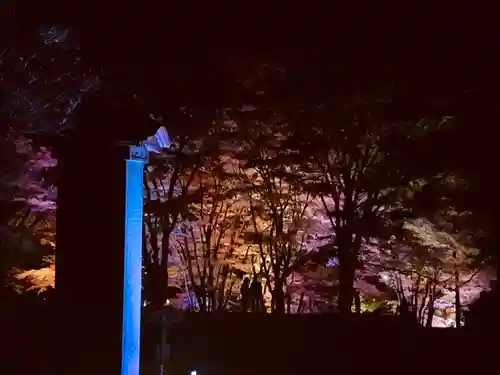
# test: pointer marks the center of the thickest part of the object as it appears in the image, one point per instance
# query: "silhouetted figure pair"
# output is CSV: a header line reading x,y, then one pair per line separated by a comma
x,y
251,296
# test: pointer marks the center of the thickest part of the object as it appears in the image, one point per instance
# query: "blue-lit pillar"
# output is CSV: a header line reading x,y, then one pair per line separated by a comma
x,y
132,269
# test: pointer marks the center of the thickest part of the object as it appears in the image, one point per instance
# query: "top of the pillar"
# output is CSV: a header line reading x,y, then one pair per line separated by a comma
x,y
154,143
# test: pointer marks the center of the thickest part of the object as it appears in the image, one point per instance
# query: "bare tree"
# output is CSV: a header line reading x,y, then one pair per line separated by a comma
x,y
277,207
427,268
356,160
211,243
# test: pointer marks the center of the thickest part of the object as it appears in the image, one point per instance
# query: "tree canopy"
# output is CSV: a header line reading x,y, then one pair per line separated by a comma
x,y
321,174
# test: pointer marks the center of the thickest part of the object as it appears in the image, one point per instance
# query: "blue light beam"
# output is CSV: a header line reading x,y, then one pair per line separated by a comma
x,y
134,206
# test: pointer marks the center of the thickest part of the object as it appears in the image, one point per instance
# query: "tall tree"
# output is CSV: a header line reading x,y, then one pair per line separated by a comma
x,y
42,81
277,207
43,85
428,268
360,157
27,225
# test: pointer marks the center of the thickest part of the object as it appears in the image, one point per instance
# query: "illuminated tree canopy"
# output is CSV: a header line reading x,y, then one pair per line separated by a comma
x,y
325,199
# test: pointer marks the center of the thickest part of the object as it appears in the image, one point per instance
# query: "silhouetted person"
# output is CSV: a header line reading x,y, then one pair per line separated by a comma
x,y
257,298
246,296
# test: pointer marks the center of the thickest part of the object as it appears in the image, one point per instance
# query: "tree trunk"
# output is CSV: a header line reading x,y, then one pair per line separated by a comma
x,y
279,298
163,274
357,302
160,297
431,309
155,284
458,305
301,303
346,281
498,270
430,314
